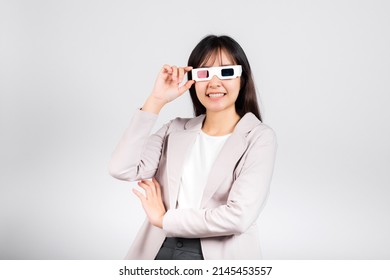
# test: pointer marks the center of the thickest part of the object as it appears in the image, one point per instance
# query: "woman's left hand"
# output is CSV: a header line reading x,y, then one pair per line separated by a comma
x,y
152,201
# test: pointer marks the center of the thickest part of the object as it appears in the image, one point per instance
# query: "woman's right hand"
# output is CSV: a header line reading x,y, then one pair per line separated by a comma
x,y
167,87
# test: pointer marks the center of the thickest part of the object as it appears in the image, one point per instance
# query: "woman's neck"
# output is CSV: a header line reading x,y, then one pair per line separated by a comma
x,y
220,123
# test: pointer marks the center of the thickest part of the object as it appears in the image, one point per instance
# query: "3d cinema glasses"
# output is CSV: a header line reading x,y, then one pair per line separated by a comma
x,y
222,72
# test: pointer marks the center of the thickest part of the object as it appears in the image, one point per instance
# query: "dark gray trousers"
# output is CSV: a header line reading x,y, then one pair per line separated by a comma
x,y
175,248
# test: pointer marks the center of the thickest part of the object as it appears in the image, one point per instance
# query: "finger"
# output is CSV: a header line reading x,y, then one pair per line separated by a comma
x,y
181,74
167,68
186,86
151,186
154,180
188,68
139,195
148,190
158,187
174,73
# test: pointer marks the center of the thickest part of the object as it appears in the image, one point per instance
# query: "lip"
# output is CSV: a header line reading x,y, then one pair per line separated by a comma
x,y
207,94
215,99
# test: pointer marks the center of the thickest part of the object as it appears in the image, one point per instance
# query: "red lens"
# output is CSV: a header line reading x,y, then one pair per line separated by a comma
x,y
203,74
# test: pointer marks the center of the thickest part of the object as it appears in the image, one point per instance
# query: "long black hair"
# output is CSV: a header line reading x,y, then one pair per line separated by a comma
x,y
212,45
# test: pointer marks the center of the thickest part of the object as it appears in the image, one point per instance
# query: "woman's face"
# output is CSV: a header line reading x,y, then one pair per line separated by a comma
x,y
229,88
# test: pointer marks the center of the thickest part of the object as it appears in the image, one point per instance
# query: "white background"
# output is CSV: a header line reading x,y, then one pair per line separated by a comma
x,y
72,73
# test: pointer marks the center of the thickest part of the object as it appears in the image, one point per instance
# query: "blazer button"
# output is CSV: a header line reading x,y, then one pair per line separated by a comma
x,y
179,244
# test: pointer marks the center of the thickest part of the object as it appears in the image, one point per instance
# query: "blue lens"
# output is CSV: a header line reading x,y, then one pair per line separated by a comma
x,y
227,72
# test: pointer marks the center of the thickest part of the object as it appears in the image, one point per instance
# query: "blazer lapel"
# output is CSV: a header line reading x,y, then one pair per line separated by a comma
x,y
179,145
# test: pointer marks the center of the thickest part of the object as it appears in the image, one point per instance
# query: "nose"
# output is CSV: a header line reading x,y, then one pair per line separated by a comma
x,y
214,82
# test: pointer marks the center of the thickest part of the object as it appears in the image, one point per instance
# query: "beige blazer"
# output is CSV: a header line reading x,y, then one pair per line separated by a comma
x,y
234,195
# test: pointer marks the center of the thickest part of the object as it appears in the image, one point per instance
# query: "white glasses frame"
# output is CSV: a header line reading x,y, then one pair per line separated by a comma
x,y
217,71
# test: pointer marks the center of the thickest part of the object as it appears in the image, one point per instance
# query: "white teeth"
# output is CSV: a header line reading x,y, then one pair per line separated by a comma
x,y
216,94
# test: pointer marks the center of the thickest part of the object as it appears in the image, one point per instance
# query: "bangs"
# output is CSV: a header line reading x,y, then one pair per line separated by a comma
x,y
210,56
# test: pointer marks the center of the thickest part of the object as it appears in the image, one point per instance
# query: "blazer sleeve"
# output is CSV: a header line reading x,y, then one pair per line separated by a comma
x,y
245,201
138,153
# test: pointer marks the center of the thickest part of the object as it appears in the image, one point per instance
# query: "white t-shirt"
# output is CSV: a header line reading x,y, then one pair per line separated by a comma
x,y
197,167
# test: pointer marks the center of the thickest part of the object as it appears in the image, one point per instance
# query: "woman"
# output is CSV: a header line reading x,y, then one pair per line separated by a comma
x,y
211,173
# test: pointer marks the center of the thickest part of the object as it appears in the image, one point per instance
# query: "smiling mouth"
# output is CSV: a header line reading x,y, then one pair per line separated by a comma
x,y
215,95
